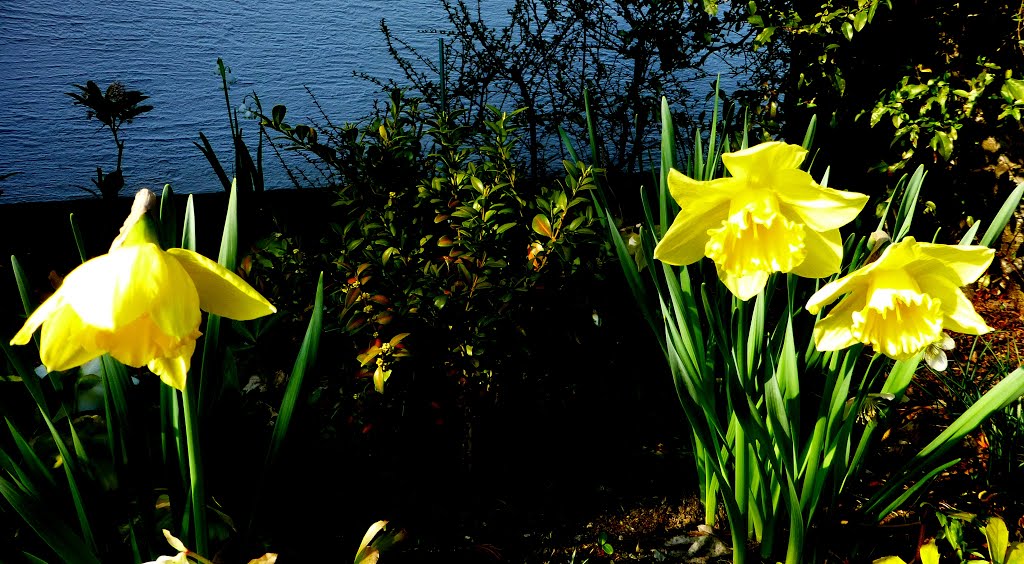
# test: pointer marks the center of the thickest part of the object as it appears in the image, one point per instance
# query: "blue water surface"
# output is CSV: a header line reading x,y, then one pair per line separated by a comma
x,y
168,49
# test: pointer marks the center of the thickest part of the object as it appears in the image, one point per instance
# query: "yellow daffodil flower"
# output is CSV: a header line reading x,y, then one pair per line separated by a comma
x,y
769,216
138,303
901,303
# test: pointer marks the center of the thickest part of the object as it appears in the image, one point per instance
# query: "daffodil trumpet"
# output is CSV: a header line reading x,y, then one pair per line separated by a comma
x,y
139,303
768,216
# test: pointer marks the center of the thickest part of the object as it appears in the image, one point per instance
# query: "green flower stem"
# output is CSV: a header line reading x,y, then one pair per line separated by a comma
x,y
195,470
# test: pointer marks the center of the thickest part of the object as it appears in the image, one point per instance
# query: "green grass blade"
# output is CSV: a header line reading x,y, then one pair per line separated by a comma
x,y
26,302
995,229
213,353
57,535
228,257
905,215
115,404
188,232
168,218
968,238
69,473
22,480
211,156
32,471
709,168
913,489
79,240
697,167
591,128
1002,394
305,361
668,153
812,126
197,486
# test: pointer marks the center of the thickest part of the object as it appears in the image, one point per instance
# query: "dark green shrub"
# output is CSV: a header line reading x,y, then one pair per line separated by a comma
x,y
443,260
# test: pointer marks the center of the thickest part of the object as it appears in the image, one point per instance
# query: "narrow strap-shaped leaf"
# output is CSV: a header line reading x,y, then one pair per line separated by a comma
x,y
905,215
228,257
197,476
668,153
76,233
32,471
591,127
115,403
879,514
26,302
188,231
207,149
812,126
968,238
52,530
1007,390
995,229
168,218
213,352
713,153
305,361
69,473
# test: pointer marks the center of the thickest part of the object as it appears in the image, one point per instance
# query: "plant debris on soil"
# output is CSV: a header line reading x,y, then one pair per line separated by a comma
x,y
638,503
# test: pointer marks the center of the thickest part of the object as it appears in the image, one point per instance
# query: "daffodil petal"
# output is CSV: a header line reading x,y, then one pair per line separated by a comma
x,y
770,156
824,254
834,331
685,239
894,256
41,314
66,342
221,291
174,304
173,371
115,289
137,343
91,288
828,293
959,312
820,208
969,262
699,196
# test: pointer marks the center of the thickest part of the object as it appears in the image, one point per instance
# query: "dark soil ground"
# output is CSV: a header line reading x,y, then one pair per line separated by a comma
x,y
635,502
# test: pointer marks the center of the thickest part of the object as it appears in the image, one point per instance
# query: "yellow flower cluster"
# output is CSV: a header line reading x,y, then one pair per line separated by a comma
x,y
769,216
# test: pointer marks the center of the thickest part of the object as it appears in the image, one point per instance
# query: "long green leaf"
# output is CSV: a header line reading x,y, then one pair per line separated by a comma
x,y
995,229
1002,394
31,471
168,218
668,154
304,363
905,215
69,473
76,233
211,156
188,232
228,257
26,302
115,404
52,530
